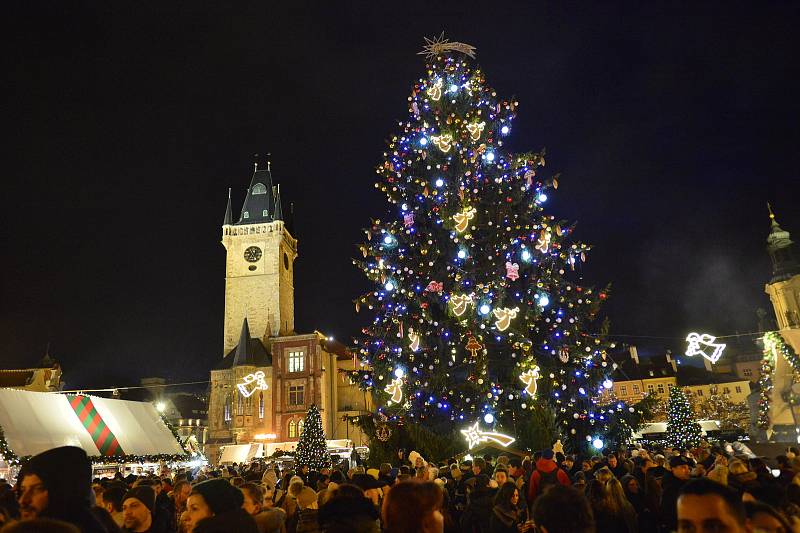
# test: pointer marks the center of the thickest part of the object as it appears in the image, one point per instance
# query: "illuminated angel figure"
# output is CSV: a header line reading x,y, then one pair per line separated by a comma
x,y
435,90
462,219
529,378
504,316
460,303
543,242
251,383
475,129
414,338
704,345
443,142
395,388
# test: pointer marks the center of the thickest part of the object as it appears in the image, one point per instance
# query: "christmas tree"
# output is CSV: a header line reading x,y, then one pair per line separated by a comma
x,y
480,316
312,450
682,430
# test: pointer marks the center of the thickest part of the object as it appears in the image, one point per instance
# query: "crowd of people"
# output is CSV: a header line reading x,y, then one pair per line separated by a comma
x,y
638,489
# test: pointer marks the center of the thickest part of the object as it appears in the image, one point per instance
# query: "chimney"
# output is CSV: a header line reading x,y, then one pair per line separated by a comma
x,y
672,362
634,354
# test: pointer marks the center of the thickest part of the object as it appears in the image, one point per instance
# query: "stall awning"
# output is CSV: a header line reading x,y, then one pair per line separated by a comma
x,y
35,421
241,453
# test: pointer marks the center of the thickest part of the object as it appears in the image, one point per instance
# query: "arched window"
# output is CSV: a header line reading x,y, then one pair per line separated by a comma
x,y
292,429
300,424
260,405
259,188
239,406
227,409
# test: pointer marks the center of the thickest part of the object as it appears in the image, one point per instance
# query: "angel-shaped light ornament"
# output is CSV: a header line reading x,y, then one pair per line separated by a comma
x,y
512,271
529,378
460,303
704,345
475,130
543,242
504,315
413,336
443,142
435,90
462,219
251,383
408,219
395,388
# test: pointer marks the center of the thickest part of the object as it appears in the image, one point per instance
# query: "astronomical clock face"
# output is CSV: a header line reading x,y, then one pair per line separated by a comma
x,y
252,254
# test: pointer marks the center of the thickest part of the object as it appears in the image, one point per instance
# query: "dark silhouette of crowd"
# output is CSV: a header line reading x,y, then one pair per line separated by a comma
x,y
717,488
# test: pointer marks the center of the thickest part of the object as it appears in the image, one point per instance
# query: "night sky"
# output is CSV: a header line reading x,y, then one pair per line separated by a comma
x,y
672,128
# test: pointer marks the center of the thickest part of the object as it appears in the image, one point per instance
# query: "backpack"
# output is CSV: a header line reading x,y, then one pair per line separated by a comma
x,y
547,480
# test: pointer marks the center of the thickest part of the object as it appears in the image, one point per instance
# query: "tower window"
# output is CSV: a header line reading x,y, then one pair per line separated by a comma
x,y
296,395
297,361
265,213
660,388
258,188
747,372
246,214
260,405
292,429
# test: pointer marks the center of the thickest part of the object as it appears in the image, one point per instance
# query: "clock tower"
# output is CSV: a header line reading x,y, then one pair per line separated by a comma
x,y
259,265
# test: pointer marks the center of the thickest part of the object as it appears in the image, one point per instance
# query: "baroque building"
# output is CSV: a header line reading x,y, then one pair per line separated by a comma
x,y
269,375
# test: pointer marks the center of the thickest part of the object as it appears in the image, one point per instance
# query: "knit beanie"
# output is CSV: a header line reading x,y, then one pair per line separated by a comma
x,y
220,496
144,494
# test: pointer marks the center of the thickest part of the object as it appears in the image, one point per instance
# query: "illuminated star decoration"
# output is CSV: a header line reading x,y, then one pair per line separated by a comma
x,y
695,341
440,44
414,338
460,303
251,383
475,436
462,219
395,388
512,271
543,242
529,378
408,220
475,129
504,316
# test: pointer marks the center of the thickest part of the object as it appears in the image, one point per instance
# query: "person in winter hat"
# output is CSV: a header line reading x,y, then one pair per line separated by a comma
x,y
57,484
137,509
216,506
307,501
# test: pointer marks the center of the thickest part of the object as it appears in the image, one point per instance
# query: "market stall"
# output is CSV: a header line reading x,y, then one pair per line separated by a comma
x,y
112,432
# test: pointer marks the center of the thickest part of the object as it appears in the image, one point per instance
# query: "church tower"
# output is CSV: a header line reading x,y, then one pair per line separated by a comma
x,y
259,265
784,292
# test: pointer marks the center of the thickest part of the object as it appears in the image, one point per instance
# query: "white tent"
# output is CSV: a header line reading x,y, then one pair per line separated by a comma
x,y
661,427
36,421
241,453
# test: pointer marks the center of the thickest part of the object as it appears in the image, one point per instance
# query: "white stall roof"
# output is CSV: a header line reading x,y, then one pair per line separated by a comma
x,y
36,421
241,453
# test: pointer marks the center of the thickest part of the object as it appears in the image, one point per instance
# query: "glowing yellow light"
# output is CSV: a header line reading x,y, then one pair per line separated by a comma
x,y
265,436
462,219
475,436
395,388
475,130
435,90
529,378
414,338
504,316
460,303
443,142
543,242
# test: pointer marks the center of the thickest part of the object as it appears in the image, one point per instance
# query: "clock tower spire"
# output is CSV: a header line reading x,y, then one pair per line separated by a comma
x,y
259,266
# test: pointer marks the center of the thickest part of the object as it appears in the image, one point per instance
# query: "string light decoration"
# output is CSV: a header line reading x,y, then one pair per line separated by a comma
x,y
682,429
475,435
251,383
774,345
395,388
529,378
312,450
498,304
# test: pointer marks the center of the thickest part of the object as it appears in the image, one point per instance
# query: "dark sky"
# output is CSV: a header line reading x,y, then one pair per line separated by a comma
x,y
672,127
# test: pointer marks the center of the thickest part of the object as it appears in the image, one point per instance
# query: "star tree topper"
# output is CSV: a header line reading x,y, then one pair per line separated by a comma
x,y
437,45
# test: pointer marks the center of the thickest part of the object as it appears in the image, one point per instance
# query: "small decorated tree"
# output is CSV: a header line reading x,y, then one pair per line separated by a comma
x,y
682,430
312,450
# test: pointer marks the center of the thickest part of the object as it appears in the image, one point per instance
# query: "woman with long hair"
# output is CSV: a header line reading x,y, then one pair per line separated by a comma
x,y
620,507
507,517
413,506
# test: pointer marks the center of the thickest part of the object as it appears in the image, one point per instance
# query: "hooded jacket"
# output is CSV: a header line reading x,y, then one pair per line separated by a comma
x,y
67,474
546,466
351,514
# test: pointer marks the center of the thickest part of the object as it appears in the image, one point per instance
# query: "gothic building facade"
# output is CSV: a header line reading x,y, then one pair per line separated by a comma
x,y
269,375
